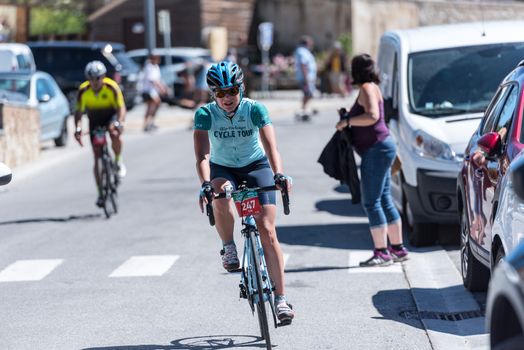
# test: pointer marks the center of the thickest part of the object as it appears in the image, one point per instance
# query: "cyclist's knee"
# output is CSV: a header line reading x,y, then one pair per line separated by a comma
x,y
222,206
267,231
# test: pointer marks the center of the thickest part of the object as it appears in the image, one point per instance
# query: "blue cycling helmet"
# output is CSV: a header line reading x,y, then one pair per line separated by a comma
x,y
224,75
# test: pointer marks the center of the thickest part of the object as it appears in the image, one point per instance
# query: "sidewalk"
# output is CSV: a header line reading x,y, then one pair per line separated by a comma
x,y
280,104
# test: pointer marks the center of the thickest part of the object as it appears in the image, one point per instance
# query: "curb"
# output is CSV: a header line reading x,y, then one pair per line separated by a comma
x,y
438,292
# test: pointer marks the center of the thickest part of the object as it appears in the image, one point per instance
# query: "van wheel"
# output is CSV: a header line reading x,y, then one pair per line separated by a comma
x,y
475,275
419,234
61,140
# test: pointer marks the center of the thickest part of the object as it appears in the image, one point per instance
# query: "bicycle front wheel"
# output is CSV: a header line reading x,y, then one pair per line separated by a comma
x,y
110,206
112,180
260,305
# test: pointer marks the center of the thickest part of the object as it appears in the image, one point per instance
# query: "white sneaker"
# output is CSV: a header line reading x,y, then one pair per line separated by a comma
x,y
121,170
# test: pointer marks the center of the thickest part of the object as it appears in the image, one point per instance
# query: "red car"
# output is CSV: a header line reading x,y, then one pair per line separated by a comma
x,y
498,139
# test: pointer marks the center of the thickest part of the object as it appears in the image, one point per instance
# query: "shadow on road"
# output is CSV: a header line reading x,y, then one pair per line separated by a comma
x,y
341,207
210,342
386,302
65,219
341,236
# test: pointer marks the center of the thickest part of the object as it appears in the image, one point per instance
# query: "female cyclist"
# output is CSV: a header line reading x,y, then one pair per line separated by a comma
x,y
234,141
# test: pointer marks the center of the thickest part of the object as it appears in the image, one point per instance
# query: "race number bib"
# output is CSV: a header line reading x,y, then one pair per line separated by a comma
x,y
247,204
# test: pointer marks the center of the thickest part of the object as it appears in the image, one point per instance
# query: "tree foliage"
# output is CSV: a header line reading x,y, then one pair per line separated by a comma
x,y
54,4
49,21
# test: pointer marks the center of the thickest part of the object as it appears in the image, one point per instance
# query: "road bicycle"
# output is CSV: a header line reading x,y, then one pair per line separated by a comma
x,y
107,173
255,284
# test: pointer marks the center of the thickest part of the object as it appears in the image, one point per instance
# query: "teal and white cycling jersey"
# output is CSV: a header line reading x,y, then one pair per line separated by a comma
x,y
234,141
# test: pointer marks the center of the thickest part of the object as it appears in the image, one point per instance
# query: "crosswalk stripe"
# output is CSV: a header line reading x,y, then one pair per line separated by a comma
x,y
29,270
356,256
145,265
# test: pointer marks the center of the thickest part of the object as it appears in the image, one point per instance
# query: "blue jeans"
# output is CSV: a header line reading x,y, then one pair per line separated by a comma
x,y
375,174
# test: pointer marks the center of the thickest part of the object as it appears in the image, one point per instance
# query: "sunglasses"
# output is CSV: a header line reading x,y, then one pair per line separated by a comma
x,y
231,92
95,79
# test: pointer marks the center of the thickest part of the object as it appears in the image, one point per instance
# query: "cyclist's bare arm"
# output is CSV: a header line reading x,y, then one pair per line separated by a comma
x,y
121,114
202,148
269,142
78,126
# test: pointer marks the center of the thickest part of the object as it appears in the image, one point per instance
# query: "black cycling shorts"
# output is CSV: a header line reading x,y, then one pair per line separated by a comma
x,y
256,174
96,122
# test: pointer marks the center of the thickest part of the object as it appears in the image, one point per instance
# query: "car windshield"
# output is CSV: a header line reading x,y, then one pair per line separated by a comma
x,y
459,80
14,89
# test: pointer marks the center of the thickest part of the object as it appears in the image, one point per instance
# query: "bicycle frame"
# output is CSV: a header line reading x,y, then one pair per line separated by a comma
x,y
106,173
248,281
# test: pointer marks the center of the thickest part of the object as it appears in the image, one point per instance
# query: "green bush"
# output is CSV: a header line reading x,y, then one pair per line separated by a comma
x,y
49,21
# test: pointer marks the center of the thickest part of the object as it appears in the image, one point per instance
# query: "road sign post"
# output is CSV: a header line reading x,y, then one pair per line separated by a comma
x,y
265,40
164,27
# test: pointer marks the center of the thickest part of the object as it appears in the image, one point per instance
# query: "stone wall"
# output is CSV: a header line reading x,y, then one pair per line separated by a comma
x,y
370,18
323,20
20,135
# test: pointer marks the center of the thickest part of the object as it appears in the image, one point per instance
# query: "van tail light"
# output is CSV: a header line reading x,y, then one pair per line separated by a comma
x,y
118,77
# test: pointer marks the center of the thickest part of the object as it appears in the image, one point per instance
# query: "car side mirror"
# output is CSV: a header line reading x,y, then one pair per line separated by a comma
x,y
389,111
5,174
517,176
44,98
489,143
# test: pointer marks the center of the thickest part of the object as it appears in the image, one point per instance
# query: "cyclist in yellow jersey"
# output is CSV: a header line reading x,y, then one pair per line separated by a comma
x,y
102,100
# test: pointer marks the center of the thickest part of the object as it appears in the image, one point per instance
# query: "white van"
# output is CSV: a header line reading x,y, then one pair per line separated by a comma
x,y
437,82
16,57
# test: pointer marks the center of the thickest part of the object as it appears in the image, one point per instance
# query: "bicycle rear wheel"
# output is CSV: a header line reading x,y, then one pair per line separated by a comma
x,y
260,305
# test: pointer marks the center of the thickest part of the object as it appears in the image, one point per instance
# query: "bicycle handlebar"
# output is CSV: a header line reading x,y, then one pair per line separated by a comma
x,y
209,208
210,197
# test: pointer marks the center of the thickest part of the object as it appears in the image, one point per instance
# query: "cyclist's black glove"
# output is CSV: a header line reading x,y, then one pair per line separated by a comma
x,y
206,190
280,180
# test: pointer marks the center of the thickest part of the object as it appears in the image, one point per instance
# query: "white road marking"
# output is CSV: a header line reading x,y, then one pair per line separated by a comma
x,y
356,256
146,265
29,270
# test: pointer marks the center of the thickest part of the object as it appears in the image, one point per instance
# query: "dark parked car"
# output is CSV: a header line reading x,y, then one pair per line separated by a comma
x,y
500,138
505,304
66,61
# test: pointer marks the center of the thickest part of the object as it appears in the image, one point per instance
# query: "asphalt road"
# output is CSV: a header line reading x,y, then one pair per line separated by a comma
x,y
150,277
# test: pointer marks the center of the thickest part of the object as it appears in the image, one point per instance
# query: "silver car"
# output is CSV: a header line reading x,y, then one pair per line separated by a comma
x,y
505,304
39,90
508,225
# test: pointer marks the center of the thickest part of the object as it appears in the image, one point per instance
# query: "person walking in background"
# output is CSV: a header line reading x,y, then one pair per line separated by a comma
x,y
336,68
306,71
371,140
152,90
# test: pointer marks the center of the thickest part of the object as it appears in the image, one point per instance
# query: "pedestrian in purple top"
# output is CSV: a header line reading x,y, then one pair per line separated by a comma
x,y
371,140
